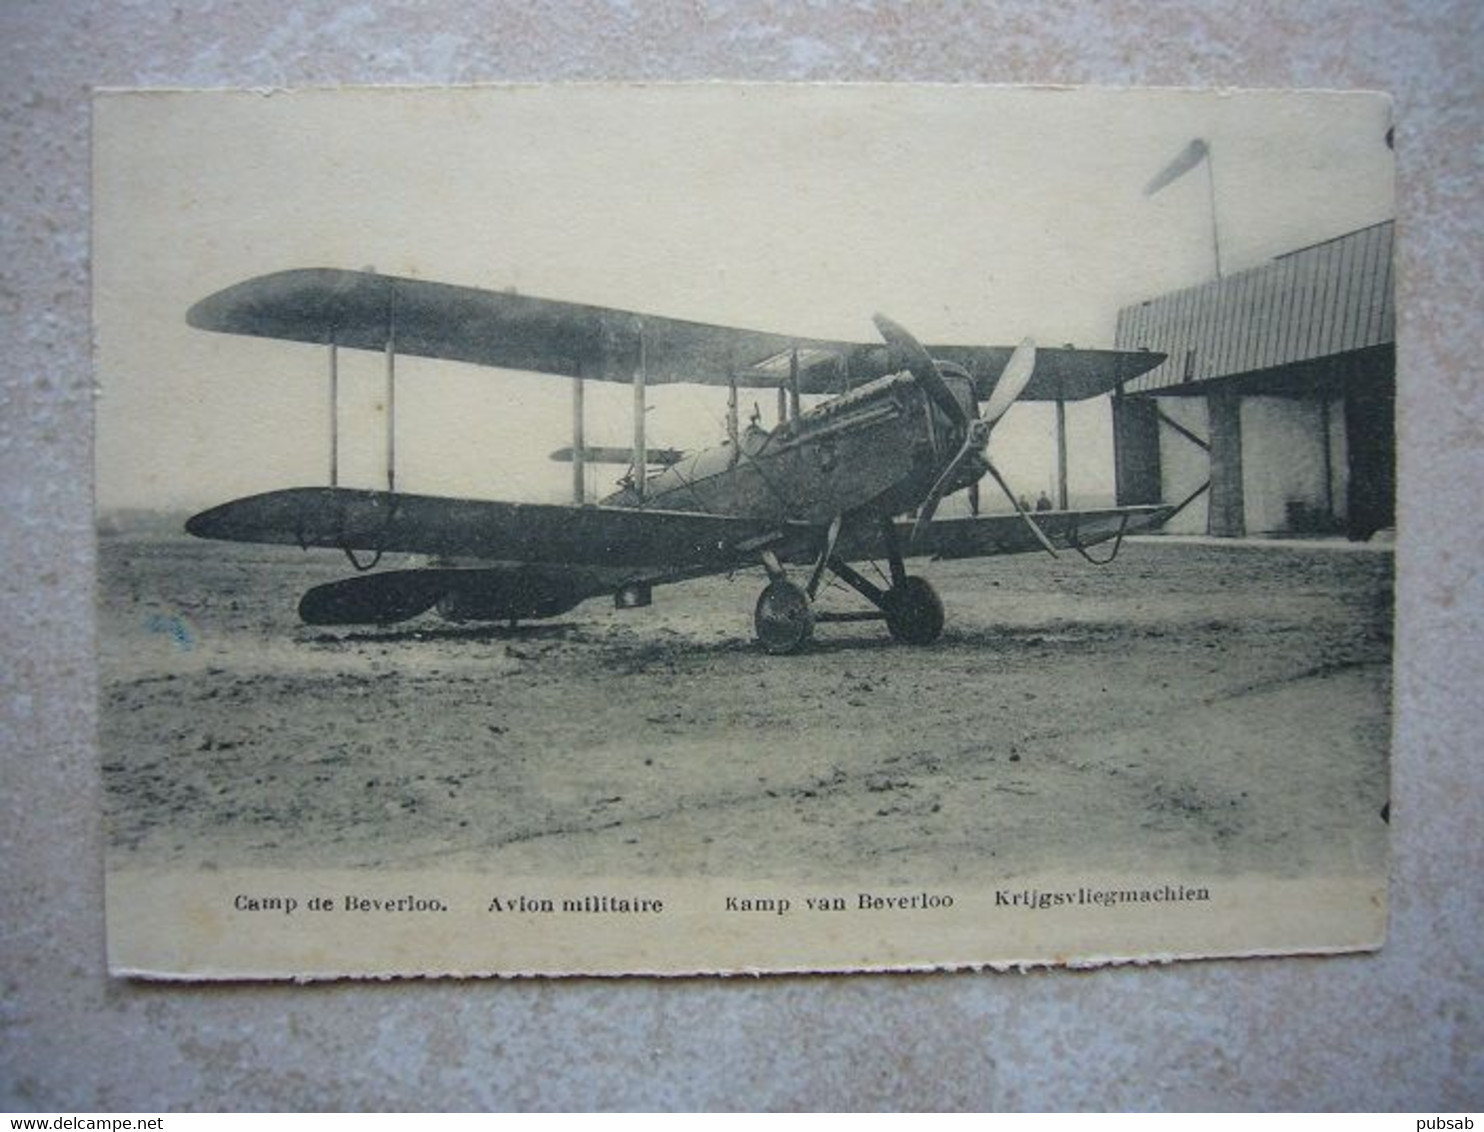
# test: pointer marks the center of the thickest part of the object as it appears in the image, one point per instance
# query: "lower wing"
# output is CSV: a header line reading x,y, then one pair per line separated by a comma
x,y
619,538
987,535
546,558
559,534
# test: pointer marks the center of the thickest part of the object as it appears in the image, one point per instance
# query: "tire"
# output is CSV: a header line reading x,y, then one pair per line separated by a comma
x,y
783,619
914,612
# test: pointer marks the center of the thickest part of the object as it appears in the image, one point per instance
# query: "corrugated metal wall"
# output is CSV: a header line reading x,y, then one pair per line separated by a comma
x,y
1326,299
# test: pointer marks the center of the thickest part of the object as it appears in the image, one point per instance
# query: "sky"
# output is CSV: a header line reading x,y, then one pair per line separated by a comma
x,y
969,214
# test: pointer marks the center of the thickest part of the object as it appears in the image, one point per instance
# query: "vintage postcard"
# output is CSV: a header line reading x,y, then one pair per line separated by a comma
x,y
644,529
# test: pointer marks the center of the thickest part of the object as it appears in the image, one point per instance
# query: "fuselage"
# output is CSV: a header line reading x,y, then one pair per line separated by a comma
x,y
874,450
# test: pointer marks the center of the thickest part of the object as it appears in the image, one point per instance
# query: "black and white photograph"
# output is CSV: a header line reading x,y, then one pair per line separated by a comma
x,y
717,528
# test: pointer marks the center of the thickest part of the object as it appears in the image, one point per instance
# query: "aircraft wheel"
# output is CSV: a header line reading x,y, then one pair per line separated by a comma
x,y
783,619
914,612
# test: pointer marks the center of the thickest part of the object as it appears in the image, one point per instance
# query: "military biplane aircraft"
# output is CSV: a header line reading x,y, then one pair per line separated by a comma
x,y
904,426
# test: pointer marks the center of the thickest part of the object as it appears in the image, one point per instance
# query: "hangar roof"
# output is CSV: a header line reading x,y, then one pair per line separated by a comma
x,y
1311,303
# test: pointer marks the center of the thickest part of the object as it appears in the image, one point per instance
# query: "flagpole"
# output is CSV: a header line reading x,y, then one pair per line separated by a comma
x,y
1215,229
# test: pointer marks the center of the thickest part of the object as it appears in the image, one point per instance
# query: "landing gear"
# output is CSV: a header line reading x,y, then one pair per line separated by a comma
x,y
784,619
785,614
914,612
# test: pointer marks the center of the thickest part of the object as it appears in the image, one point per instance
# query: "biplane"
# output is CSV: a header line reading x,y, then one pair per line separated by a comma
x,y
857,477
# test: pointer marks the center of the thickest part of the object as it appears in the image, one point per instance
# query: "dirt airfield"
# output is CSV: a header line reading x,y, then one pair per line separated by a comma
x,y
1219,709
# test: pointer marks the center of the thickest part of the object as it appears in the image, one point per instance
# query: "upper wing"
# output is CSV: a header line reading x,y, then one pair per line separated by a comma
x,y
1061,373
348,518
493,328
496,328
988,535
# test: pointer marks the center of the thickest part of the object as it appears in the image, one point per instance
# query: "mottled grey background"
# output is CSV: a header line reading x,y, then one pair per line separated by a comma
x,y
1403,1029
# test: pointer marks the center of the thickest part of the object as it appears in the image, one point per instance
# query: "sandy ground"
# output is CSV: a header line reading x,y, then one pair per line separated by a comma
x,y
1215,708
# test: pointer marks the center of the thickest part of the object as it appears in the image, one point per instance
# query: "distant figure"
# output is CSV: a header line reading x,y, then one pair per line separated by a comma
x,y
1023,503
1043,502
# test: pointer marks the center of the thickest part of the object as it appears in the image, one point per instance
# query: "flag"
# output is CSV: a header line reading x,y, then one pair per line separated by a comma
x,y
1186,160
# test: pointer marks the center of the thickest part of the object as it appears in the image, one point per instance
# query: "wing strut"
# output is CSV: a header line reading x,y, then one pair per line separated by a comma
x,y
1061,454
334,414
391,390
793,381
732,437
641,452
579,454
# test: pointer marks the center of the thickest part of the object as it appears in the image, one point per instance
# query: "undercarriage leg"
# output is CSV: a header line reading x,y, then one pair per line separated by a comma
x,y
861,585
913,610
831,538
894,553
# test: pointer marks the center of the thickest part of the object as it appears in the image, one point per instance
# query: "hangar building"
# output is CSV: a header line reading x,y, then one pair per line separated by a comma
x,y
1274,411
